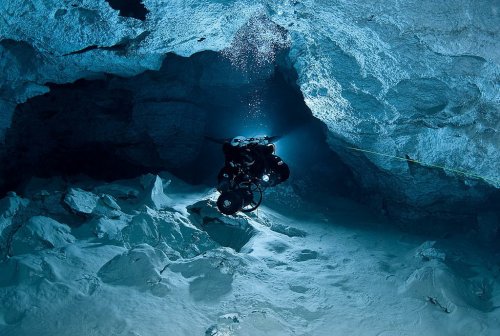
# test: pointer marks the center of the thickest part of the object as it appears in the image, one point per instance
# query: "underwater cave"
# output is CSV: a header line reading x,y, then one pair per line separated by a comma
x,y
112,127
115,121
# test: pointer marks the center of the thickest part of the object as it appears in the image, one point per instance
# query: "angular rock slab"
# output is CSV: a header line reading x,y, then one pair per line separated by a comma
x,y
80,202
140,267
153,195
40,233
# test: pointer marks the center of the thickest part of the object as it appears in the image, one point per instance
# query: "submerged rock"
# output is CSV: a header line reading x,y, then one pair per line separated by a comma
x,y
40,233
80,202
154,195
427,252
447,291
110,202
140,267
9,206
108,228
142,229
231,231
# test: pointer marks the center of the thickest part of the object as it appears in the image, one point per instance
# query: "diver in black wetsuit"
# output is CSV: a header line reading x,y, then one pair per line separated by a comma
x,y
246,159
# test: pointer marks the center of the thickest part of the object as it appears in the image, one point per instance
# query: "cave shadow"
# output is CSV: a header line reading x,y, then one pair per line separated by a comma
x,y
113,127
130,8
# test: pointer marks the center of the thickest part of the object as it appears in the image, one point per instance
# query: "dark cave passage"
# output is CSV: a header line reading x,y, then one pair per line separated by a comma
x,y
130,8
113,127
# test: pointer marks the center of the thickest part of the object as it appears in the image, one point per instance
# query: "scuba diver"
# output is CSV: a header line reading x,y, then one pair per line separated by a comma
x,y
250,167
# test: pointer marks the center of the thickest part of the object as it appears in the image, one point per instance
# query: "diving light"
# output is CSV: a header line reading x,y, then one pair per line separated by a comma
x,y
265,178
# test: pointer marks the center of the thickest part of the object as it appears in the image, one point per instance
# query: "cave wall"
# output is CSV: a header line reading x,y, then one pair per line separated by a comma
x,y
409,81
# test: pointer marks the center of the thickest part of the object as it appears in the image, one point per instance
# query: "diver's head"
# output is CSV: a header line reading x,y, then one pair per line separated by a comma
x,y
237,141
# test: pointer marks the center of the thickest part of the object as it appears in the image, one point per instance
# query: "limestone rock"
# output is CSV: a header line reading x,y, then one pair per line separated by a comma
x,y
11,204
107,228
140,267
9,207
80,201
40,233
107,207
427,252
154,195
141,229
110,202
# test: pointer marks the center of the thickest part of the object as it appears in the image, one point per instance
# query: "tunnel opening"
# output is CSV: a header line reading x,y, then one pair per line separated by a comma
x,y
113,127
130,8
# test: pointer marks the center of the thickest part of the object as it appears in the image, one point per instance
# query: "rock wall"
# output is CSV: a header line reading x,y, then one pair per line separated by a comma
x,y
413,80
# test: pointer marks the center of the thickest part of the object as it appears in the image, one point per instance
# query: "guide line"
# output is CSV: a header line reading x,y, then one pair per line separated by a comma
x,y
461,172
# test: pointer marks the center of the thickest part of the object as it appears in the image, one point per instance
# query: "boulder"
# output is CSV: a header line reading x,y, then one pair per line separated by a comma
x,y
139,267
80,202
40,233
153,195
